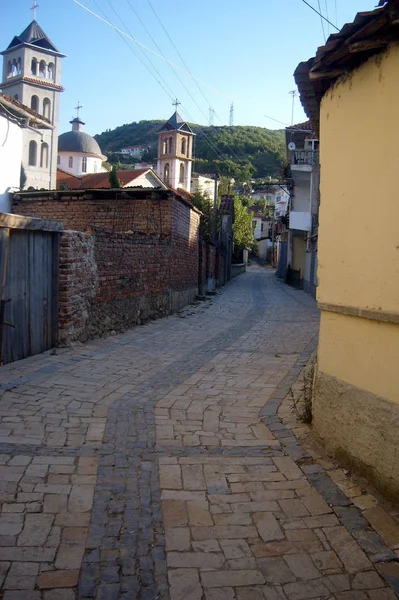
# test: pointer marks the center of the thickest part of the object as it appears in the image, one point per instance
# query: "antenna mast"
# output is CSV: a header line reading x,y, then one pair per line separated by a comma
x,y
231,120
294,94
211,115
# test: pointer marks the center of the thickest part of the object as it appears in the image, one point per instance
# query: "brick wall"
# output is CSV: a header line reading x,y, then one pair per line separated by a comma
x,y
131,260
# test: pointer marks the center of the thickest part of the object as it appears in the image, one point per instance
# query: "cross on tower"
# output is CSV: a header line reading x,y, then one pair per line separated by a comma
x,y
34,7
176,103
77,108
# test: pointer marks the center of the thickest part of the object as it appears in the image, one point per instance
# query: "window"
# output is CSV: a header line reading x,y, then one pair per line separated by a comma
x,y
42,69
254,224
70,162
170,145
261,227
50,71
181,173
166,173
32,153
16,96
44,156
19,67
46,108
14,68
33,67
183,146
9,69
58,160
84,164
165,146
34,103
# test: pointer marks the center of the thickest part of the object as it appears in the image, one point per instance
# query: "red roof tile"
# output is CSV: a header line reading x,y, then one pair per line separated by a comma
x,y
25,108
97,180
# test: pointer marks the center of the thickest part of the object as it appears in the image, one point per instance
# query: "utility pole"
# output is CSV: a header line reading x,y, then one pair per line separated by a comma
x,y
294,94
231,120
211,115
273,234
215,210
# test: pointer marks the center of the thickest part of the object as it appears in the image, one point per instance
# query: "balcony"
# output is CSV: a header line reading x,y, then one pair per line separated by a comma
x,y
304,160
301,221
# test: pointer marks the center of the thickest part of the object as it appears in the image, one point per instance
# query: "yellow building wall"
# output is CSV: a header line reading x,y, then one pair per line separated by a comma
x,y
359,211
361,352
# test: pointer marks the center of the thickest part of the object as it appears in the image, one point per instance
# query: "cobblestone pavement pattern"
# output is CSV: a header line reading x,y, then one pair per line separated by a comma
x,y
159,463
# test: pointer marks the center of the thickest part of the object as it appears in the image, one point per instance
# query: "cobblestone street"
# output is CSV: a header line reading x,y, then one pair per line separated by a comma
x,y
164,463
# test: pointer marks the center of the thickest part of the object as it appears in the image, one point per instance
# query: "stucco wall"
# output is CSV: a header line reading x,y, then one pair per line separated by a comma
x,y
356,401
10,160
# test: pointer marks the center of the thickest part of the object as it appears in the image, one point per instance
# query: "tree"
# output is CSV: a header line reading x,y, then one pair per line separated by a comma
x,y
205,205
113,178
243,232
22,178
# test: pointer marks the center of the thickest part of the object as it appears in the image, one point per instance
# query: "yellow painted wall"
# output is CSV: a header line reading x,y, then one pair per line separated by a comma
x,y
359,212
361,352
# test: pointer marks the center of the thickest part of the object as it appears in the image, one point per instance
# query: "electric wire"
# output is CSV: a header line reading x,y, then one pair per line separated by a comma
x,y
316,11
327,15
321,21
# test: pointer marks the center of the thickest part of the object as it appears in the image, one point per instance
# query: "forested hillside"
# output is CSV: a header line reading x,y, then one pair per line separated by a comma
x,y
240,151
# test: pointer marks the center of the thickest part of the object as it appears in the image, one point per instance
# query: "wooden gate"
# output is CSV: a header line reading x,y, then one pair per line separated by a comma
x,y
29,268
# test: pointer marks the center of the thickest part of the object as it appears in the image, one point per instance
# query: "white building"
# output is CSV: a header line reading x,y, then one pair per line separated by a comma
x,y
78,152
14,118
133,151
32,75
175,151
204,185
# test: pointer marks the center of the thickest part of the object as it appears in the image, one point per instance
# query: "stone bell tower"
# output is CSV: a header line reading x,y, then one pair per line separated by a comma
x,y
175,152
32,75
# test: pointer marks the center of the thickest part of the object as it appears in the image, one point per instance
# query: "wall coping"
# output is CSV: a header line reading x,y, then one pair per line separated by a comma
x,y
11,221
364,313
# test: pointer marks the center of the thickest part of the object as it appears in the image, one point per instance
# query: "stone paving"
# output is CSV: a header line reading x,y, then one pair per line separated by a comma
x,y
165,463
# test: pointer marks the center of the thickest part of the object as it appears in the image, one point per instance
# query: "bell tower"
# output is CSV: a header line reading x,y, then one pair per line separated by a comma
x,y
32,75
175,152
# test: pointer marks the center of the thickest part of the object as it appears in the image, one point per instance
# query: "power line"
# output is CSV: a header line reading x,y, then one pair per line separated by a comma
x,y
328,16
321,21
146,47
316,11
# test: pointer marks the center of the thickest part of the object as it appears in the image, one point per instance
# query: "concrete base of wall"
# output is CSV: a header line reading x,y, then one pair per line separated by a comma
x,y
238,269
309,288
360,429
180,298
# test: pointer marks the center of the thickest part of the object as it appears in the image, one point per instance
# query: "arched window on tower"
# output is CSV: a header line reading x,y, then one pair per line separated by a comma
x,y
84,164
16,96
9,69
44,156
166,173
50,71
33,67
165,146
181,173
70,162
42,69
46,108
14,68
19,66
170,145
183,146
32,153
34,103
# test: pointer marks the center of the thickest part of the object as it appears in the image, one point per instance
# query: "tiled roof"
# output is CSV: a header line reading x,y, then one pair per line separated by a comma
x,y
97,180
22,109
227,205
369,33
306,126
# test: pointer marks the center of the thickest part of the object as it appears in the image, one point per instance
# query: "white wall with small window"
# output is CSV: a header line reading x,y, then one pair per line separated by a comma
x,y
77,163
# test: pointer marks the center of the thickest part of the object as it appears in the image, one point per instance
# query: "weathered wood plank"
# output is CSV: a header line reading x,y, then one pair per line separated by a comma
x,y
30,223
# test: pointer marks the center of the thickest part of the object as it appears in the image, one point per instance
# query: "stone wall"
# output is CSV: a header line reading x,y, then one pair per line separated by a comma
x,y
133,259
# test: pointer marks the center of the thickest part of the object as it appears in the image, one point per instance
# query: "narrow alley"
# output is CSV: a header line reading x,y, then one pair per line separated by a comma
x,y
161,463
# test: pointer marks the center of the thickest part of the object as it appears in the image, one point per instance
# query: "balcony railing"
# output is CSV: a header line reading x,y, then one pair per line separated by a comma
x,y
304,157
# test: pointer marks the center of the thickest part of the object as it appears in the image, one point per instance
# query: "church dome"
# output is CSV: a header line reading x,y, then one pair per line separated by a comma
x,y
78,141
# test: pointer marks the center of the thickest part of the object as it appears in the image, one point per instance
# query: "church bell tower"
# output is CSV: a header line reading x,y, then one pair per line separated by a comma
x,y
32,75
175,152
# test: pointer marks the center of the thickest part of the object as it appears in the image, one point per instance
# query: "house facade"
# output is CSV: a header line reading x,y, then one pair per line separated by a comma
x,y
350,92
135,152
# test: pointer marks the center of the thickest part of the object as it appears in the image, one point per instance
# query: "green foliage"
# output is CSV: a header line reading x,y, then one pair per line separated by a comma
x,y
205,205
241,152
113,178
22,178
243,232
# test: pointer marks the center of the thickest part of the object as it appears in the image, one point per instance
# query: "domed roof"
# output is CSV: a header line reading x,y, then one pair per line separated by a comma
x,y
78,141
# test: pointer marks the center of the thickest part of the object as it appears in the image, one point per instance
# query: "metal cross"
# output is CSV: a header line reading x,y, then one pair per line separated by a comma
x,y
34,7
77,108
176,103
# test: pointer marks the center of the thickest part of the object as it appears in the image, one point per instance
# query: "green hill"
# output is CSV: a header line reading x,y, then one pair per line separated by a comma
x,y
239,151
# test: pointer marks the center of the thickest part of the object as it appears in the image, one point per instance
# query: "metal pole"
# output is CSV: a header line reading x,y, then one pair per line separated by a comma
x,y
215,207
273,235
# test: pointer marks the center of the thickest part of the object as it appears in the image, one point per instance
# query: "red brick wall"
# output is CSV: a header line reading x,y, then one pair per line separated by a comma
x,y
139,260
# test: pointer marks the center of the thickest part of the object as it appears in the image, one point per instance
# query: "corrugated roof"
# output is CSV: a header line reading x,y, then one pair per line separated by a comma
x,y
369,33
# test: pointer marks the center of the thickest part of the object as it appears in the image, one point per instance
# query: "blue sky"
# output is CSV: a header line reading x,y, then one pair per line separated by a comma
x,y
245,51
